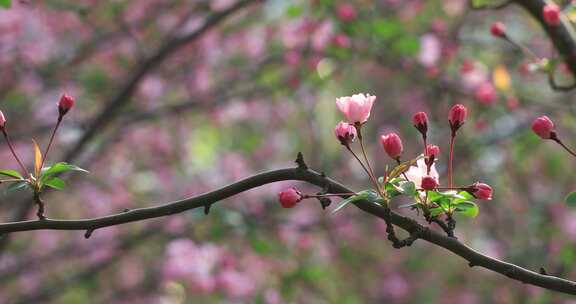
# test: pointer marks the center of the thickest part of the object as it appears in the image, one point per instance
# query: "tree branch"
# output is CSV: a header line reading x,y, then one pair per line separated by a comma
x,y
473,257
562,36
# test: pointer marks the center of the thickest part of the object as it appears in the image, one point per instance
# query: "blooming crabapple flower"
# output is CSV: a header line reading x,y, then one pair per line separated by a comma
x,y
420,121
66,103
345,133
457,116
543,127
430,50
2,120
346,12
551,14
289,197
429,183
498,29
481,191
486,94
356,108
392,145
416,173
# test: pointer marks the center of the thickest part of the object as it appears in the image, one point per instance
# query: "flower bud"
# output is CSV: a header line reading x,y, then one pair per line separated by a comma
x,y
543,127
432,151
429,183
392,145
2,120
457,117
486,94
420,121
66,103
289,197
346,12
551,14
345,132
498,29
480,191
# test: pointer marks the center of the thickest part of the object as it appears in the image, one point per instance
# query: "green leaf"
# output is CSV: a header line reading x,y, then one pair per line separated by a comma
x,y
5,3
11,173
294,11
369,195
55,183
407,45
386,28
468,209
409,189
17,186
571,199
436,211
60,168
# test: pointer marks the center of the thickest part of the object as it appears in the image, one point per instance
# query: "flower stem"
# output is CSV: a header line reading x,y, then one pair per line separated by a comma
x,y
450,172
374,181
50,142
13,151
327,195
556,139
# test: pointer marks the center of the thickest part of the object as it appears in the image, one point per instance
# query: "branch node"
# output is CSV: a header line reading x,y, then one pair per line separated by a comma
x,y
300,161
471,264
126,210
88,233
542,271
207,209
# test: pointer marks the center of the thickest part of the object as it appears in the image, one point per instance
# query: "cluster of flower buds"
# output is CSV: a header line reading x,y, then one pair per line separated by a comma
x,y
356,109
64,105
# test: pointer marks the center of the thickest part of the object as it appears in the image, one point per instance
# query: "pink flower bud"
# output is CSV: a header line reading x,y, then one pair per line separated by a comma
x,y
392,145
551,14
432,150
345,133
457,117
498,29
289,197
480,191
346,12
356,108
486,94
420,121
66,103
2,120
429,183
543,127
342,41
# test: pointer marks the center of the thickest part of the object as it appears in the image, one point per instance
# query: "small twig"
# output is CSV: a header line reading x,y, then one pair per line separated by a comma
x,y
300,161
38,201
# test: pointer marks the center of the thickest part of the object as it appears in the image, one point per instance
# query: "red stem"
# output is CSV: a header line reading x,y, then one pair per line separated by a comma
x,y
450,172
556,139
14,152
50,142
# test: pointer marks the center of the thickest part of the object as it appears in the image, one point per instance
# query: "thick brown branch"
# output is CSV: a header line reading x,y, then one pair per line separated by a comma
x,y
473,257
562,36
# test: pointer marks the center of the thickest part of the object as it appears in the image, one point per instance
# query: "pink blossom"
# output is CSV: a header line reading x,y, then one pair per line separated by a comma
x,y
346,12
65,104
486,94
416,173
2,120
430,50
457,116
429,183
481,191
342,41
498,29
236,284
356,108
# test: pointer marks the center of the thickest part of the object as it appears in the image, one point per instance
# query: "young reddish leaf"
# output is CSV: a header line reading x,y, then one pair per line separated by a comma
x,y
37,158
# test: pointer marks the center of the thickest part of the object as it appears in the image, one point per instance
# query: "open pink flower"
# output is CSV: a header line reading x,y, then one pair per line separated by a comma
x,y
356,108
416,173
